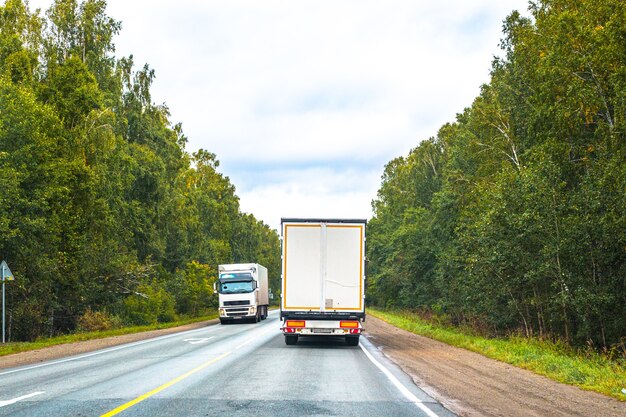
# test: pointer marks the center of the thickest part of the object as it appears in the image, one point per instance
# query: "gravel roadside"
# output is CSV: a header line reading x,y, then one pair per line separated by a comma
x,y
472,385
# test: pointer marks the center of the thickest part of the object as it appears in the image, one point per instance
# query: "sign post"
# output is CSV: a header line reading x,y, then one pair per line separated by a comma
x,y
7,275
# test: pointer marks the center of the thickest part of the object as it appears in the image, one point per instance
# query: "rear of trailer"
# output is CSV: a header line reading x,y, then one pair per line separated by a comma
x,y
323,278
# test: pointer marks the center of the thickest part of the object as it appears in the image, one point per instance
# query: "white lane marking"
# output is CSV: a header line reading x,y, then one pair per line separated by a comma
x,y
23,397
100,352
408,394
255,337
196,340
245,343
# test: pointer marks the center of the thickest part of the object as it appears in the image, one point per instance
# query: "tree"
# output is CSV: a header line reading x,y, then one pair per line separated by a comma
x,y
103,211
522,228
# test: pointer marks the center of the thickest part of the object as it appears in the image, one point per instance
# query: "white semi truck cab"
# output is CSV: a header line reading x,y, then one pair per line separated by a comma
x,y
323,278
243,292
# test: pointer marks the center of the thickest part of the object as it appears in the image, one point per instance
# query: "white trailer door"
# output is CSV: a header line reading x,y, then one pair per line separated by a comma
x,y
301,267
344,267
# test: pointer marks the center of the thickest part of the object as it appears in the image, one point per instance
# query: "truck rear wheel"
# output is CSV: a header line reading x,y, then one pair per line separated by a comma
x,y
291,339
352,340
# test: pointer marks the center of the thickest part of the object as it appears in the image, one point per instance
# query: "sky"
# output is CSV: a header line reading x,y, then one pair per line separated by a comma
x,y
304,102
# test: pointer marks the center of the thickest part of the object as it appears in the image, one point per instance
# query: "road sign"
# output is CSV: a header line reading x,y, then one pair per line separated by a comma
x,y
6,272
6,275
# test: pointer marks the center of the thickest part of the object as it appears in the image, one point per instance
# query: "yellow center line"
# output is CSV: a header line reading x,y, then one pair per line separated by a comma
x,y
162,387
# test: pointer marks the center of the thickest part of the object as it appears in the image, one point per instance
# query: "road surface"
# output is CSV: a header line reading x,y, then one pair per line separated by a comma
x,y
232,370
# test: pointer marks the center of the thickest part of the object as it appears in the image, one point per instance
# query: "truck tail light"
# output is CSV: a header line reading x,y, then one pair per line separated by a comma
x,y
349,324
293,326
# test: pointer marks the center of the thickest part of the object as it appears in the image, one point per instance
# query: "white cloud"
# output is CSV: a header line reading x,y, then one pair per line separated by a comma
x,y
313,192
311,84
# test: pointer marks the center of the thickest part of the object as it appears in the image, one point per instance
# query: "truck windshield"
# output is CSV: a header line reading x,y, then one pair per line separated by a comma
x,y
232,287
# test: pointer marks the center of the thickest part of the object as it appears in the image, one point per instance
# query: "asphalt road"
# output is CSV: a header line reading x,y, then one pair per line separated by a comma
x,y
220,370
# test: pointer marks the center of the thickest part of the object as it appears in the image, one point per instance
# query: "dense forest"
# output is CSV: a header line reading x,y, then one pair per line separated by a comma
x,y
105,219
513,218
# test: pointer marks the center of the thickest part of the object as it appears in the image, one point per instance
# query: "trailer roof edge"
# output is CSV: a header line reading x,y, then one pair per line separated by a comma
x,y
313,220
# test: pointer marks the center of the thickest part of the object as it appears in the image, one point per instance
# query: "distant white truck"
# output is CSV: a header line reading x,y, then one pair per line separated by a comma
x,y
243,292
323,278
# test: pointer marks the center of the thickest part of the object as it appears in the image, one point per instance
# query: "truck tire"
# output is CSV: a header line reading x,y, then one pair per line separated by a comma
x,y
291,339
264,315
224,321
352,340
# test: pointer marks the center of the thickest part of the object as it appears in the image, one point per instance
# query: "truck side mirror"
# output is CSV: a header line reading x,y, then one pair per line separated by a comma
x,y
215,288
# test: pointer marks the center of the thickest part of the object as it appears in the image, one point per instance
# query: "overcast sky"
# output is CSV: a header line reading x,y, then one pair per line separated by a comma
x,y
304,102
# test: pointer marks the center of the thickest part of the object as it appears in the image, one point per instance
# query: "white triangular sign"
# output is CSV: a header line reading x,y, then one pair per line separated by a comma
x,y
5,272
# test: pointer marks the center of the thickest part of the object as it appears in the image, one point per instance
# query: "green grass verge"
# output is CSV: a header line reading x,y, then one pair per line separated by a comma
x,y
587,370
16,347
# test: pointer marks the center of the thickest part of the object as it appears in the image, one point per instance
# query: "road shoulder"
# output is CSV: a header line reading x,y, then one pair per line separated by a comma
x,y
69,349
470,384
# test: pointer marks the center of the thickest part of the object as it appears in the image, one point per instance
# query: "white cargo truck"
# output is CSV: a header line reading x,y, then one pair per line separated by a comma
x,y
323,278
243,292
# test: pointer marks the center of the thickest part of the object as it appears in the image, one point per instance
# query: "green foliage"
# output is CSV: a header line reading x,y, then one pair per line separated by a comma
x,y
149,304
512,218
192,289
101,207
96,321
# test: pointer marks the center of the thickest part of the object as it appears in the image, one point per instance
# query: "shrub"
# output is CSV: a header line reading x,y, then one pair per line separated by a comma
x,y
193,290
95,321
150,304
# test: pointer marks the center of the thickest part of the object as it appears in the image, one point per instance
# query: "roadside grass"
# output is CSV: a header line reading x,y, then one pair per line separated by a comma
x,y
16,347
585,369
